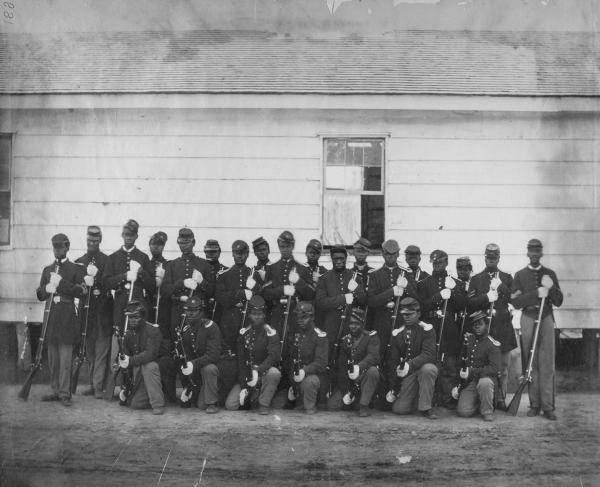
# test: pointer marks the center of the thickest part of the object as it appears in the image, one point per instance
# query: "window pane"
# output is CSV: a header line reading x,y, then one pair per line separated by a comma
x,y
4,163
372,178
341,218
343,177
4,218
372,218
335,152
364,153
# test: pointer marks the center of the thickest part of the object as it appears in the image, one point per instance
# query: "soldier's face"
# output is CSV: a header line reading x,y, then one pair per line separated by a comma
x,y
193,313
439,265
256,316
303,318
262,252
239,258
339,261
463,273
410,316
212,255
186,245
534,256
312,256
360,255
491,261
390,259
285,249
480,327
412,259
60,251
355,326
156,249
134,321
129,238
93,244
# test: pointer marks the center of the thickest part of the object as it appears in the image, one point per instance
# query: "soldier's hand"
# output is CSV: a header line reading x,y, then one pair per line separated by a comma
x,y
158,281
464,373
355,373
124,361
250,283
55,278
316,276
187,369
349,298
89,281
294,277
402,282
495,283
492,295
449,283
243,396
185,397
122,395
455,393
402,371
390,396
352,285
547,281
160,271
252,382
398,291
247,294
190,283
543,292
288,290
300,376
131,275
262,273
50,288
92,270
445,293
135,266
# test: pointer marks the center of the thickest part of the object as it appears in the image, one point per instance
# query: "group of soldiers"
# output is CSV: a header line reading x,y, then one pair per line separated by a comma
x,y
293,335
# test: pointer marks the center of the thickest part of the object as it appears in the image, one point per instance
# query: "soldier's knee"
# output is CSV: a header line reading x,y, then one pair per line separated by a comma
x,y
311,381
210,369
151,367
485,383
372,373
428,370
273,374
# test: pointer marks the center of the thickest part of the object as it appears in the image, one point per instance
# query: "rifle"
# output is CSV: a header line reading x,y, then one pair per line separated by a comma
x,y
464,366
438,357
354,386
246,392
393,324
396,385
82,354
526,379
189,386
37,364
464,312
293,392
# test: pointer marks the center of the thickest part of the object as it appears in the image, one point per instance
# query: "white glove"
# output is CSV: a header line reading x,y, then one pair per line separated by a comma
x,y
288,290
294,277
464,373
185,397
124,362
543,292
250,282
352,285
547,281
492,295
122,395
92,270
355,373
348,399
55,278
254,380
190,283
134,265
89,281
160,271
300,376
401,281
495,283
455,393
158,281
445,293
262,273
188,368
349,298
197,276
248,294
390,396
398,291
50,288
449,283
183,298
131,276
315,276
402,371
243,396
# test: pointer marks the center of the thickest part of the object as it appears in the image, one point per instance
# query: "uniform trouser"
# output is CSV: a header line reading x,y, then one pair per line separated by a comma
x,y
148,392
368,386
209,390
447,379
309,390
477,393
60,356
504,361
98,356
541,389
207,377
267,388
417,387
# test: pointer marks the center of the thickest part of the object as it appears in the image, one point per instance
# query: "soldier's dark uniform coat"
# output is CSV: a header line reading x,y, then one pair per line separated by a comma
x,y
501,328
164,309
364,352
310,347
142,345
415,344
483,356
214,308
202,342
63,322
259,346
115,277
526,283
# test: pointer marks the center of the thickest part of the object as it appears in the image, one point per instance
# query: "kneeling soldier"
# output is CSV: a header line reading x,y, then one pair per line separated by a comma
x,y
479,370
259,351
411,366
307,358
140,350
357,370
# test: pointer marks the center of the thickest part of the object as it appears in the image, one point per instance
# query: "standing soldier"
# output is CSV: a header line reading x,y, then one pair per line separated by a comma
x,y
358,375
130,274
159,263
307,359
387,285
286,278
140,351
361,250
63,281
464,269
99,313
261,251
440,299
532,285
490,291
197,350
313,253
259,352
186,276
338,291
412,255
479,372
411,363
212,251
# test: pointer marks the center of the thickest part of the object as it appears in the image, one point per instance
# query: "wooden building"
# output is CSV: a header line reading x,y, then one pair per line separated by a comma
x,y
446,140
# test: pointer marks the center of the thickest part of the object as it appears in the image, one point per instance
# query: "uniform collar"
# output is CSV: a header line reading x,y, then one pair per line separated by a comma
x,y
61,261
534,268
127,251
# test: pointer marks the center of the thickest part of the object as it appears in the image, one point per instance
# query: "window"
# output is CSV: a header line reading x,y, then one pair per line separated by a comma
x,y
353,203
5,156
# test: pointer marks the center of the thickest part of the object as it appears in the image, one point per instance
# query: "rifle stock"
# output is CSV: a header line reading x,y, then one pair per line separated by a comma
x,y
82,354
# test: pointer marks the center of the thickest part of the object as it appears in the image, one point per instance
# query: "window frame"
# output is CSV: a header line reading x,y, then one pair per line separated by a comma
x,y
11,190
384,178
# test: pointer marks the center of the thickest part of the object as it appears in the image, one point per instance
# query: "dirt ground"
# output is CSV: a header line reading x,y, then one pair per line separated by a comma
x,y
95,443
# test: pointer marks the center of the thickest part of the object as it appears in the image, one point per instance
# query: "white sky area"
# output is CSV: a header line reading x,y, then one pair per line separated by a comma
x,y
297,16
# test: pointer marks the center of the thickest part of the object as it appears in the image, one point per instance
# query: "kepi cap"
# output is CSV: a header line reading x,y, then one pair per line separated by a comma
x,y
437,255
534,243
135,308
194,303
286,237
212,245
132,226
363,243
94,231
258,242
256,302
239,246
185,233
464,261
59,240
304,307
159,238
314,244
358,314
409,304
478,315
412,250
338,249
390,246
492,249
